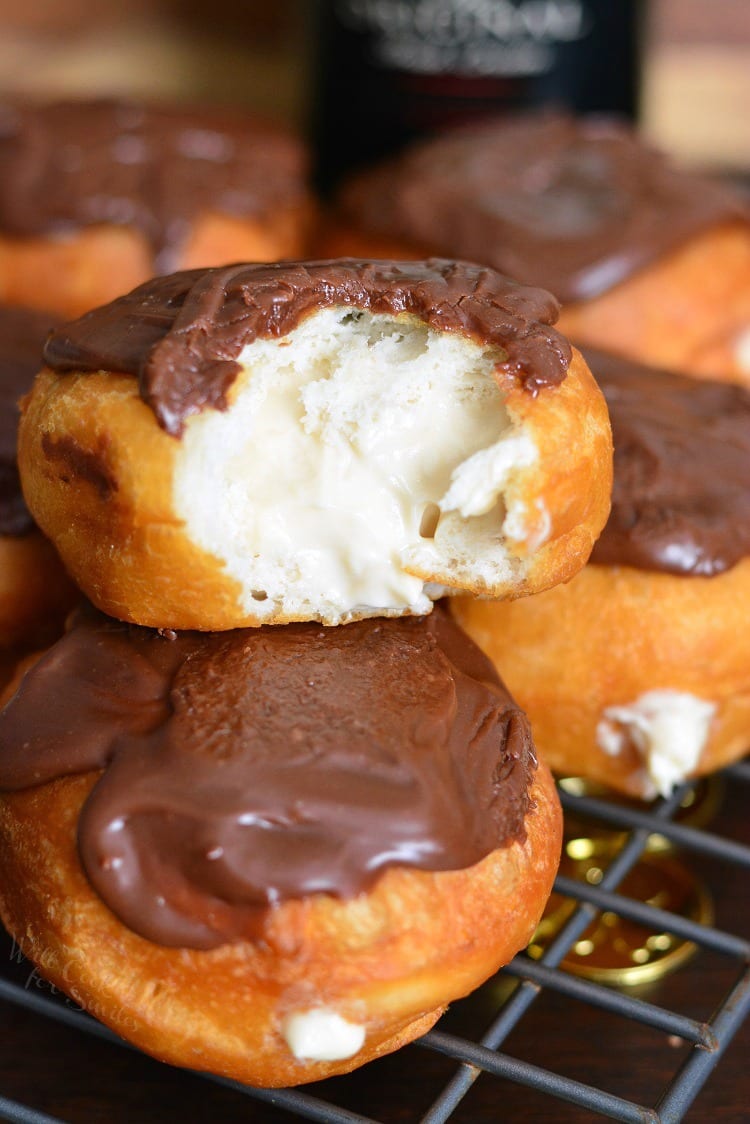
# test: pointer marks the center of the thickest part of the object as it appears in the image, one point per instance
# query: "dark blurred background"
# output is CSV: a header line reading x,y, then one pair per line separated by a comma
x,y
696,96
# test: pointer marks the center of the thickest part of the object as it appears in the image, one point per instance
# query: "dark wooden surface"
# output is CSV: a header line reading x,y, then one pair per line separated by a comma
x,y
80,1080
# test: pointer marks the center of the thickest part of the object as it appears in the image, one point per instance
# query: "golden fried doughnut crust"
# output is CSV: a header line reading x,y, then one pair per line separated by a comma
x,y
35,592
684,312
99,478
96,264
99,194
610,636
389,960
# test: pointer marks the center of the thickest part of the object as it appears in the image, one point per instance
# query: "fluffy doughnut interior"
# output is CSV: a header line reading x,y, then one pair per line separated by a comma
x,y
359,452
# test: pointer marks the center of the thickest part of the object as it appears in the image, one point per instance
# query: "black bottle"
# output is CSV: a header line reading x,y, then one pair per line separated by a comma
x,y
388,71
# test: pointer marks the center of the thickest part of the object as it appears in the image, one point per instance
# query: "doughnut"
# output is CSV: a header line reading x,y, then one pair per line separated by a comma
x,y
272,853
315,441
637,673
35,593
97,196
649,261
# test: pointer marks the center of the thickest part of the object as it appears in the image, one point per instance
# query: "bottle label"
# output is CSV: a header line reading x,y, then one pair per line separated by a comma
x,y
391,71
471,38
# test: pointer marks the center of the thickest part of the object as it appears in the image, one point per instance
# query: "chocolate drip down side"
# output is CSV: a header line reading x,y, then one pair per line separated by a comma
x,y
22,335
181,335
681,494
68,165
576,205
246,768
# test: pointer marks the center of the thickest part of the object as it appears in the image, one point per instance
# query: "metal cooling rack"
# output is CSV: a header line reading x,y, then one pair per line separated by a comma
x,y
521,984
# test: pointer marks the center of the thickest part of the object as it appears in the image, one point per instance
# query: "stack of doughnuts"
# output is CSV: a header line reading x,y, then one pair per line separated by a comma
x,y
97,196
648,260
266,808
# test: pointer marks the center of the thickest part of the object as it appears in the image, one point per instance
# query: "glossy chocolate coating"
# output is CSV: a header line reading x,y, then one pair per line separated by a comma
x,y
681,496
245,768
181,335
22,335
73,164
576,206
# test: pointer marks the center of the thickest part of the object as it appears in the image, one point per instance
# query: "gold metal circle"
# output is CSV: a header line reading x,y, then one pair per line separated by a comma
x,y
699,806
623,953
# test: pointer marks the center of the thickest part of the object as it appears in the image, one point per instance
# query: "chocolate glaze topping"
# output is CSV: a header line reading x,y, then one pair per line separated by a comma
x,y
573,205
22,335
181,335
249,767
73,164
681,497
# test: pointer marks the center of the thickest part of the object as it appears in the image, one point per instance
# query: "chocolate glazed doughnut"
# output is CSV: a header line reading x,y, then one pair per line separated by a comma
x,y
648,260
229,815
97,196
636,674
315,441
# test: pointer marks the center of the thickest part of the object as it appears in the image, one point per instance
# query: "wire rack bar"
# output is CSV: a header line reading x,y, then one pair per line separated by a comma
x,y
632,849
708,1040
59,1012
22,1114
614,1001
690,838
676,1100
651,916
619,867
739,772
524,1073
293,1099
515,1008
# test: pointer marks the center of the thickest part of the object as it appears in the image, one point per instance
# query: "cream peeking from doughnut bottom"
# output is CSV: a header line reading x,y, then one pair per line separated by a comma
x,y
667,728
271,853
325,441
634,679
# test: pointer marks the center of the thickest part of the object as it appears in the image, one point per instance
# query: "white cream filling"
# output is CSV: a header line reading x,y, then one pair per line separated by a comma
x,y
476,484
535,531
356,448
321,1035
669,729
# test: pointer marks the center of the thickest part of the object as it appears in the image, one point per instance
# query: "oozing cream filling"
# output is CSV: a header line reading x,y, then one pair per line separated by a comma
x,y
354,450
668,728
321,1035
